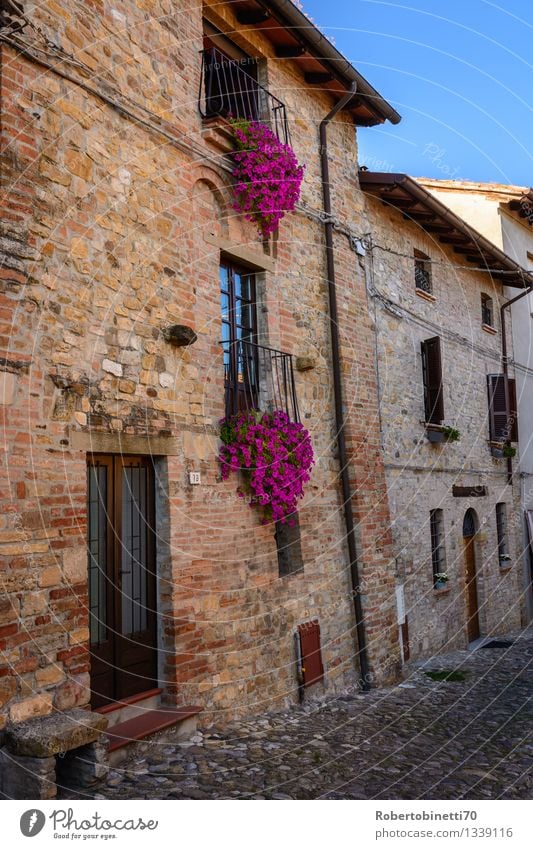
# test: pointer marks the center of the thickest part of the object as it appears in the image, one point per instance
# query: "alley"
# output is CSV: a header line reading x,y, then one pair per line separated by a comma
x,y
424,739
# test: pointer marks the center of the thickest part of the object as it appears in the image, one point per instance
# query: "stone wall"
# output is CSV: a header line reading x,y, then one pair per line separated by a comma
x,y
117,208
421,475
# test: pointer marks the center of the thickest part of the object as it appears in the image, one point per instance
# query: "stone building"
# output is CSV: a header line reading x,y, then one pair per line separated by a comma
x,y
504,214
437,287
120,226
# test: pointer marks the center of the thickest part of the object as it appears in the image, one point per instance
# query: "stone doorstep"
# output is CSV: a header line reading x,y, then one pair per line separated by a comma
x,y
47,736
125,738
148,723
130,707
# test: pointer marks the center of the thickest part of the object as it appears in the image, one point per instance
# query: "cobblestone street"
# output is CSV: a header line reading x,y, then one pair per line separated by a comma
x,y
423,739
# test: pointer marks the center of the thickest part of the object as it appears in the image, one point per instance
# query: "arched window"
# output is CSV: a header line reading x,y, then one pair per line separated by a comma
x,y
469,523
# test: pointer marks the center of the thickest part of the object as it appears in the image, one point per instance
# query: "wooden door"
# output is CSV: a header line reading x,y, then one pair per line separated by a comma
x,y
122,586
471,590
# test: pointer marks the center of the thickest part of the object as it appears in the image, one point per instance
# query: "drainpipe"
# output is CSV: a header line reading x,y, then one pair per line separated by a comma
x,y
337,386
505,365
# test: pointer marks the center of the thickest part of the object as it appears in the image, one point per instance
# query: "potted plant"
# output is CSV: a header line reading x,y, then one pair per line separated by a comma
x,y
496,449
451,434
509,451
266,174
505,559
274,456
440,579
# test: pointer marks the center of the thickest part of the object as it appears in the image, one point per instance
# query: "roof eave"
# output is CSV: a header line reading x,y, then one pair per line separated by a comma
x,y
476,244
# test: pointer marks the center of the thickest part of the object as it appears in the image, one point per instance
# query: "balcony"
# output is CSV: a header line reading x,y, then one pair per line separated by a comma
x,y
258,378
227,90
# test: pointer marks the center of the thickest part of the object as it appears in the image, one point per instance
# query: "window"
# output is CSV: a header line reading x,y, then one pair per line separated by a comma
x,y
230,79
487,313
432,377
239,335
503,426
438,551
501,530
289,545
423,280
230,86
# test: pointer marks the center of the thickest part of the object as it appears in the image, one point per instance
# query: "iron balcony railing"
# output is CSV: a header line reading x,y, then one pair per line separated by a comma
x,y
258,378
228,90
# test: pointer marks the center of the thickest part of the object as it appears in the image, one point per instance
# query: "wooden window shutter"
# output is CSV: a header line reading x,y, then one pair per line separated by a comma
x,y
312,667
432,377
513,409
502,426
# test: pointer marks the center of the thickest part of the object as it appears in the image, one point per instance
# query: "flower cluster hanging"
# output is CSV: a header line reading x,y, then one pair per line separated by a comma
x,y
275,456
267,177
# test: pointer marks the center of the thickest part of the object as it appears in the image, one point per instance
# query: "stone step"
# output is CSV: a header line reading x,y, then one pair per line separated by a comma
x,y
131,707
124,735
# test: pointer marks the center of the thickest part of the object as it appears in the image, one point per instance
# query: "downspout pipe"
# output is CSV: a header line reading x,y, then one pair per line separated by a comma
x,y
505,365
338,393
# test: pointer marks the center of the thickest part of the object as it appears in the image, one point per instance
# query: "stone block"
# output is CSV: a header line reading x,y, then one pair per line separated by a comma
x,y
23,777
7,388
82,767
60,732
36,706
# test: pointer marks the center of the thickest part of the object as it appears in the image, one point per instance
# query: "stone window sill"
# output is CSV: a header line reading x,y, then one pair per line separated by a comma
x,y
488,329
425,295
217,131
441,590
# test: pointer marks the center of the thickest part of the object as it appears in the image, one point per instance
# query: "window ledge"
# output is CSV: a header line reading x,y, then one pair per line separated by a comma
x,y
506,565
425,295
489,329
217,131
442,590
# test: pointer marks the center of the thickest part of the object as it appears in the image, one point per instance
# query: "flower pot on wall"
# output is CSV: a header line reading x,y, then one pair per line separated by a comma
x,y
435,435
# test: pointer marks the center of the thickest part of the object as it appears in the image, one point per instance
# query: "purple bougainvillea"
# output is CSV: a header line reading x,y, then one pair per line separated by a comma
x,y
267,177
275,456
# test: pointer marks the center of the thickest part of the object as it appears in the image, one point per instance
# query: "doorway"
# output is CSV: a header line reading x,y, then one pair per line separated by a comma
x,y
122,581
472,606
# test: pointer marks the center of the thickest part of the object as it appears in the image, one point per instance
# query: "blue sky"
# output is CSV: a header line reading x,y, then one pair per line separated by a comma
x,y
459,72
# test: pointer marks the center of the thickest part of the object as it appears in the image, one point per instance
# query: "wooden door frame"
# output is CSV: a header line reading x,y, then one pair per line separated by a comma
x,y
472,620
114,541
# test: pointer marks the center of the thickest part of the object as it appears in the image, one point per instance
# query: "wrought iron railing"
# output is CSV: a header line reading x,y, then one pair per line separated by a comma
x,y
258,378
228,90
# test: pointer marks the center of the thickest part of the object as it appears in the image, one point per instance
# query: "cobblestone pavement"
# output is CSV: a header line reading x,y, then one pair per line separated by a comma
x,y
422,739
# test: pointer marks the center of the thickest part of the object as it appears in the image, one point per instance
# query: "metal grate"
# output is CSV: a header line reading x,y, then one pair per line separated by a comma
x,y
227,90
258,378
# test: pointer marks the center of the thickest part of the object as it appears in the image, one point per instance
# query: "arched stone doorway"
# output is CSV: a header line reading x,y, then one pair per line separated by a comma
x,y
470,527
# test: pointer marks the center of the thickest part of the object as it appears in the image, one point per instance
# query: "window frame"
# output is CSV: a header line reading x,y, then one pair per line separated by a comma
x,y
502,534
289,546
487,310
239,388
438,544
422,265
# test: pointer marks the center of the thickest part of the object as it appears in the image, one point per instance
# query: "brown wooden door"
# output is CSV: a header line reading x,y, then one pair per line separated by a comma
x,y
122,591
471,590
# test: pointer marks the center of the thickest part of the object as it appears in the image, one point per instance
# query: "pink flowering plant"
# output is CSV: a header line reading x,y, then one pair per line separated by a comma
x,y
267,177
275,456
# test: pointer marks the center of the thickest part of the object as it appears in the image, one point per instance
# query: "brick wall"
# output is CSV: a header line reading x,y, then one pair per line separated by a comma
x,y
114,232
